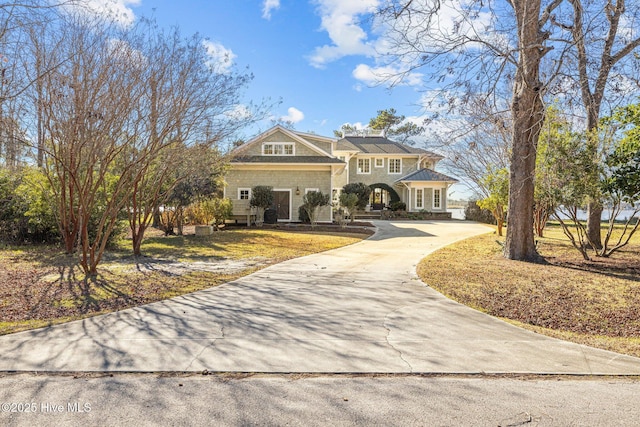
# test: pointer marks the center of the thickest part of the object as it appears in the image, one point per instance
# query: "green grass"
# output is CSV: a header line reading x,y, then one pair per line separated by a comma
x,y
589,302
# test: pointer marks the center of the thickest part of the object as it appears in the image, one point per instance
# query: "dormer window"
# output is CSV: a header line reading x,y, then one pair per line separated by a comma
x,y
277,149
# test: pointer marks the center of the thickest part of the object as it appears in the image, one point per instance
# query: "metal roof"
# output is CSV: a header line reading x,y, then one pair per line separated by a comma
x,y
379,145
427,175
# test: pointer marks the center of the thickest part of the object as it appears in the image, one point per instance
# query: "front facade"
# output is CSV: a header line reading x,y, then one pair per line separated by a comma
x,y
294,163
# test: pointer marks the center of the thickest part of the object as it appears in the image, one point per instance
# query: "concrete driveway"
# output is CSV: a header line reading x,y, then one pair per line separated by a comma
x,y
355,309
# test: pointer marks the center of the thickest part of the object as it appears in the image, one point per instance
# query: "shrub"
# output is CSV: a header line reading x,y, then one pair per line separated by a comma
x,y
312,201
261,198
303,216
473,212
363,191
398,206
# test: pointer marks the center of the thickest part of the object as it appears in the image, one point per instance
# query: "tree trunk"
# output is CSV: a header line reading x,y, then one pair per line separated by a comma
x,y
594,222
528,113
136,237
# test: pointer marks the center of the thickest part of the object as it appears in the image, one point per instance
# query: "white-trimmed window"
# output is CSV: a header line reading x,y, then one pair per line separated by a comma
x,y
244,193
278,149
364,166
379,162
419,198
437,202
309,190
395,166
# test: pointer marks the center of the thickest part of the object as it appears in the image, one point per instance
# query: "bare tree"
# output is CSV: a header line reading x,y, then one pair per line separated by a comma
x,y
604,35
185,101
87,105
480,43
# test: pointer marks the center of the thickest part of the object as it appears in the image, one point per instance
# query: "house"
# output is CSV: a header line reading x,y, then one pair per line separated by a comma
x,y
295,163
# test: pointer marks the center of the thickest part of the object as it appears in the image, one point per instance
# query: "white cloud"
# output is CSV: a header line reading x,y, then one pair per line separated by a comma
x,y
117,11
294,115
122,51
221,58
239,112
268,6
340,19
372,76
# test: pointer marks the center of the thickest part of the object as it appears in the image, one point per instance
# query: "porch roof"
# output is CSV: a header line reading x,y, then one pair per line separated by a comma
x,y
426,175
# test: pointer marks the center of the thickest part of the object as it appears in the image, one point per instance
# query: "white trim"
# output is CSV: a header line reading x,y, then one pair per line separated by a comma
x,y
309,190
421,206
248,190
389,163
433,198
375,162
279,144
293,135
358,170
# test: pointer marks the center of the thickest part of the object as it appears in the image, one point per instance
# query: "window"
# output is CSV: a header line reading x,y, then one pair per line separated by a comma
x,y
395,166
436,198
364,166
278,149
379,163
309,190
419,198
335,194
244,193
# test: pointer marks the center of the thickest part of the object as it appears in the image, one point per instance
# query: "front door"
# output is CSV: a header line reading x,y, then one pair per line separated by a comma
x,y
281,204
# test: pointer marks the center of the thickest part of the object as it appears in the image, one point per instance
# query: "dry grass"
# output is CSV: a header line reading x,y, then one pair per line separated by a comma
x,y
595,303
40,286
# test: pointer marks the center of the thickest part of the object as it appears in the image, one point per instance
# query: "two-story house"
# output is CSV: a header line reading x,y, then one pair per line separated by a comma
x,y
294,163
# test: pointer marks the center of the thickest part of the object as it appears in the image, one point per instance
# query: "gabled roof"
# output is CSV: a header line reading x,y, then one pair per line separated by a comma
x,y
296,136
288,159
379,145
427,175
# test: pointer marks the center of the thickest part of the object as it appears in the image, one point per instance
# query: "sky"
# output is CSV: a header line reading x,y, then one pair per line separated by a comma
x,y
315,59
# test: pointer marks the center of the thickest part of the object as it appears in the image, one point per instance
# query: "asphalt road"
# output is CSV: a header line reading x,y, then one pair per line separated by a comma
x,y
276,400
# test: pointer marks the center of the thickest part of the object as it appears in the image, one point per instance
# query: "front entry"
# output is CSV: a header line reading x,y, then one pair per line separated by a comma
x,y
281,203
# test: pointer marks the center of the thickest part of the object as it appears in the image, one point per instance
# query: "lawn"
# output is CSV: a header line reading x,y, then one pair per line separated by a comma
x,y
589,302
40,285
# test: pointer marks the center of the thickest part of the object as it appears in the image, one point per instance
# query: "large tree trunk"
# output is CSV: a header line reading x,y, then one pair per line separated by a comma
x,y
528,112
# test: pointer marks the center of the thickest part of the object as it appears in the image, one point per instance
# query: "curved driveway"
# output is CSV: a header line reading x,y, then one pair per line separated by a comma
x,y
359,308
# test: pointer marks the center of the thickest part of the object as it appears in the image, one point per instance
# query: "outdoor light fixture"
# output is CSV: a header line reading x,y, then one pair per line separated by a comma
x,y
297,190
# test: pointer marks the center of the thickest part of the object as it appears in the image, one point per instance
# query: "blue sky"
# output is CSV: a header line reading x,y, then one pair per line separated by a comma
x,y
318,57
315,56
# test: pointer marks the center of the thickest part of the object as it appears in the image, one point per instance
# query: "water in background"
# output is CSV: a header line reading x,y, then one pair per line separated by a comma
x,y
457,213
